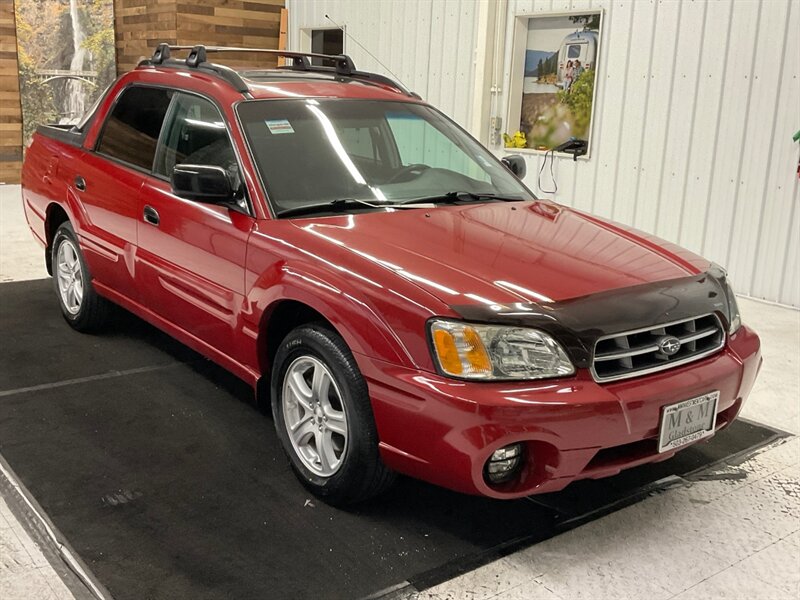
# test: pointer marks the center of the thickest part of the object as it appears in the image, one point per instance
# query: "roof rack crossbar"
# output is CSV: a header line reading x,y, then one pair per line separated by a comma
x,y
343,65
197,56
300,60
161,54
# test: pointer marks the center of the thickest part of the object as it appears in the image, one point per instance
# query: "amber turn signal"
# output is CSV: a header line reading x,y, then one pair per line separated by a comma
x,y
476,352
460,350
447,352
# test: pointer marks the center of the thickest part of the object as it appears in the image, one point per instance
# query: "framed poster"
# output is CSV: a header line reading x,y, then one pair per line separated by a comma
x,y
553,78
67,58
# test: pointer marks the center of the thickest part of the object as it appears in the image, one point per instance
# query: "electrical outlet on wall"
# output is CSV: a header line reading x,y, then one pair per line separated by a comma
x,y
495,127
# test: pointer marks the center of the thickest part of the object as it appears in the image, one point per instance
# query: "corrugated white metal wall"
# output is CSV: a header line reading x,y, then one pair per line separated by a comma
x,y
696,106
695,111
428,44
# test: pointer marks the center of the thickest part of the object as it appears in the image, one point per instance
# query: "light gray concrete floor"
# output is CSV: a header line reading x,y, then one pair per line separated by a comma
x,y
731,538
25,573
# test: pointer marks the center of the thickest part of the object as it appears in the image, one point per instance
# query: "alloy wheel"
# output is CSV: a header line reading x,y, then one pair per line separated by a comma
x,y
70,277
314,415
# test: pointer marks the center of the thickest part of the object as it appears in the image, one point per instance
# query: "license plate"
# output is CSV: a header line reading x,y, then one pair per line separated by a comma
x,y
687,421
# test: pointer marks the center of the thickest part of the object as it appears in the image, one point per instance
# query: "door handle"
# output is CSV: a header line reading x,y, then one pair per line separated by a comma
x,y
151,215
80,183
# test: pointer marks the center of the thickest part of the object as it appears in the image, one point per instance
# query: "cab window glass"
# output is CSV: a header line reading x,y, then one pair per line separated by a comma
x,y
365,145
195,134
131,131
358,142
419,142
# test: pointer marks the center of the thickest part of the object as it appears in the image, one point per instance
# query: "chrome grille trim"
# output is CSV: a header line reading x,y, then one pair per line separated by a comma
x,y
636,353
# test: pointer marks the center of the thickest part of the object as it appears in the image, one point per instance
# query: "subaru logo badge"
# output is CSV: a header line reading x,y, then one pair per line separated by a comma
x,y
669,345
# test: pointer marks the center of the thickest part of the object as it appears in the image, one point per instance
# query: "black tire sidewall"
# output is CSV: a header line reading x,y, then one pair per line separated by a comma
x,y
361,451
82,319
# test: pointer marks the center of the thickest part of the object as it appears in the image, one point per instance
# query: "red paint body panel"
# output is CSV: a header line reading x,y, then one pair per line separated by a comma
x,y
494,252
444,430
326,89
211,277
190,269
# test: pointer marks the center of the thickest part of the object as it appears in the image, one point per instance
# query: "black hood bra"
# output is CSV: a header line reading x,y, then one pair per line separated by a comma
x,y
578,323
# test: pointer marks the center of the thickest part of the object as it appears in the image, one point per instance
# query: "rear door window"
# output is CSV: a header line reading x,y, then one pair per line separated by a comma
x,y
131,130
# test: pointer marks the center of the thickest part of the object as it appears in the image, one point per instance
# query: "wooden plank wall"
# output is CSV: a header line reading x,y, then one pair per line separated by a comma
x,y
139,27
142,24
283,35
240,23
10,109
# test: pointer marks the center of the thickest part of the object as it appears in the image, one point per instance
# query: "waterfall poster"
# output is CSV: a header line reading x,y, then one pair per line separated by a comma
x,y
66,58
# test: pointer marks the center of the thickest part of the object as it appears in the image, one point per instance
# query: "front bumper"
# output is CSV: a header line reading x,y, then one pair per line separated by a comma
x,y
443,431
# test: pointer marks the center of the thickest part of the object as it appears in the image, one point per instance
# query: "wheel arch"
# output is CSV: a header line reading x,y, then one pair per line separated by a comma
x,y
278,320
55,215
291,296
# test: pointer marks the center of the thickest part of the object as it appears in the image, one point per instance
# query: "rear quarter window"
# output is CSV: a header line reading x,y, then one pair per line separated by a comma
x,y
130,133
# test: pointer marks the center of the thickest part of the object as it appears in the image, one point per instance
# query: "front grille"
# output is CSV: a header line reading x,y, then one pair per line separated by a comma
x,y
639,352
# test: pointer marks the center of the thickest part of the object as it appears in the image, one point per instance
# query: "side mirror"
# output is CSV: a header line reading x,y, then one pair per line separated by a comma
x,y
516,164
204,183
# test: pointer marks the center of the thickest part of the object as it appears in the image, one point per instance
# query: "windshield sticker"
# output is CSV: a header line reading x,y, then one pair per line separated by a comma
x,y
277,126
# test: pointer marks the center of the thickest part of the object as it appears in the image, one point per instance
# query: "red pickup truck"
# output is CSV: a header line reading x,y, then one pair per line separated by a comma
x,y
395,292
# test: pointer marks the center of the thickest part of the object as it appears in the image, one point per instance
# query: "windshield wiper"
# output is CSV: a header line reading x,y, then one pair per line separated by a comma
x,y
338,205
456,197
342,204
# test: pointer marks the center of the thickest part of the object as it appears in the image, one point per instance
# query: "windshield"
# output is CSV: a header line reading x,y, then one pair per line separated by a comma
x,y
311,152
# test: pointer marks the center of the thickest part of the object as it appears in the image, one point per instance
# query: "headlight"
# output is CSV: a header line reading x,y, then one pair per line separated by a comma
x,y
734,317
496,352
733,309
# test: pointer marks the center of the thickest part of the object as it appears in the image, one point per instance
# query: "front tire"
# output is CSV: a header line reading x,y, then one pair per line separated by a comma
x,y
323,417
82,308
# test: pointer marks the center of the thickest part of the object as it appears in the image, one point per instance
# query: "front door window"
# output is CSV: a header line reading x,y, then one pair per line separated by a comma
x,y
195,134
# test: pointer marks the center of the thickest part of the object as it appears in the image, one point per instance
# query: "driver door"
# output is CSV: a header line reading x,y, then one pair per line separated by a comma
x,y
190,264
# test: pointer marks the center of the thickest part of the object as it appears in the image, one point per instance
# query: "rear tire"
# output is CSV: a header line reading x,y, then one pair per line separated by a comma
x,y
323,417
82,308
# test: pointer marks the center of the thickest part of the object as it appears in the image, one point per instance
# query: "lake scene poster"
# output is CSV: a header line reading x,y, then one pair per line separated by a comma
x,y
561,55
66,58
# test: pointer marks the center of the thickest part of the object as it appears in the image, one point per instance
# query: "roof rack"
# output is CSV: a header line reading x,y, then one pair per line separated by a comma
x,y
300,61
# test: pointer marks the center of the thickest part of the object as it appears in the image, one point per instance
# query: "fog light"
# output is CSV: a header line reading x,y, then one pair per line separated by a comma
x,y
504,463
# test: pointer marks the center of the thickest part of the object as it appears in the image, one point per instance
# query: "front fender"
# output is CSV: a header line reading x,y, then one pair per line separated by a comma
x,y
379,313
348,307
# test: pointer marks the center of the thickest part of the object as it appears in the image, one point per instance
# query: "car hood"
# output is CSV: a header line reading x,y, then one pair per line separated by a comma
x,y
501,253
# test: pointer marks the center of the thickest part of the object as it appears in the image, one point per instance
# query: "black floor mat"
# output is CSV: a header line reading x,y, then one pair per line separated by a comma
x,y
169,483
